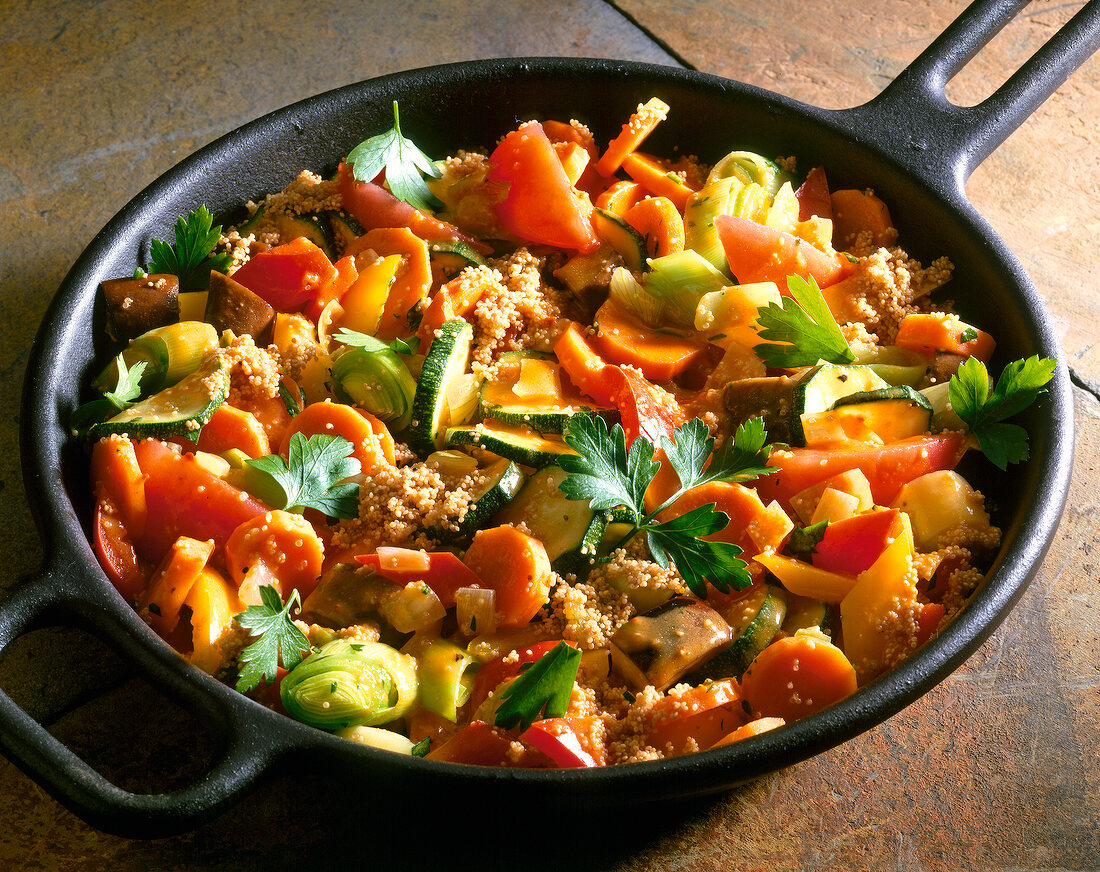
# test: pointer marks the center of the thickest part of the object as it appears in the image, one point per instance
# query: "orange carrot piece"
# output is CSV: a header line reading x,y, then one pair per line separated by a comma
x,y
269,411
588,371
752,728
515,565
115,469
753,526
660,223
453,300
855,211
797,676
648,171
641,124
230,427
374,446
412,281
625,339
620,197
172,582
697,718
280,549
574,159
937,331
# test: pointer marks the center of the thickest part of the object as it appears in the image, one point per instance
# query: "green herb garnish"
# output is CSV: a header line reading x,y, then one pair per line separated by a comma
x,y
804,540
983,411
403,162
805,325
542,690
421,748
609,476
189,259
313,476
127,390
278,640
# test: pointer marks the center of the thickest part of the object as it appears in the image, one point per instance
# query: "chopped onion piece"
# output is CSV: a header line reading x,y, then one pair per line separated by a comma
x,y
403,559
476,610
415,607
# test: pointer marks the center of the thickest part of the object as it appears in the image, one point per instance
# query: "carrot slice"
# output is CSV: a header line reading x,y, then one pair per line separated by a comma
x,y
231,427
515,565
937,331
620,197
660,223
752,728
374,446
455,299
115,469
797,676
857,211
634,132
588,371
657,179
172,582
625,339
697,718
280,549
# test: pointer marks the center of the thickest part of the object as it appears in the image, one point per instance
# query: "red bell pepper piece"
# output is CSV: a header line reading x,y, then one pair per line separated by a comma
x,y
570,742
445,574
115,550
287,276
853,544
813,196
482,744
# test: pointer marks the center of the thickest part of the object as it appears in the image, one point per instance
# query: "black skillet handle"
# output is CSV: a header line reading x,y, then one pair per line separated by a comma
x,y
942,143
58,597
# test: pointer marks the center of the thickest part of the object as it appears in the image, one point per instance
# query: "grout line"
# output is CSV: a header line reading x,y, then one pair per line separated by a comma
x,y
1088,386
680,59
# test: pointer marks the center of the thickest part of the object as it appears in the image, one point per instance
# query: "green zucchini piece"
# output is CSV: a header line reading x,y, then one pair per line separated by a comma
x,y
446,360
342,229
521,444
566,527
804,612
293,227
754,620
891,413
896,365
503,481
451,258
179,410
627,241
825,385
499,401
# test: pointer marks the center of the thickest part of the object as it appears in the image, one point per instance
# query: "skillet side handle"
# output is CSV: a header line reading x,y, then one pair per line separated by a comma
x,y
49,600
943,142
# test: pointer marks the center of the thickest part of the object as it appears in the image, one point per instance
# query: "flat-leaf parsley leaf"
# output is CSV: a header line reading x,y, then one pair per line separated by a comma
x,y
804,327
983,410
189,259
542,691
313,476
278,639
403,162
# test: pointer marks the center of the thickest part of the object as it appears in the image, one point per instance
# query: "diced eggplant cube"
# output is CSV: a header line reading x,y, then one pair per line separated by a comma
x,y
136,306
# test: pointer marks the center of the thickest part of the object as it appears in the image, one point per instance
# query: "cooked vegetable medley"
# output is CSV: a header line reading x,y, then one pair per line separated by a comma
x,y
548,456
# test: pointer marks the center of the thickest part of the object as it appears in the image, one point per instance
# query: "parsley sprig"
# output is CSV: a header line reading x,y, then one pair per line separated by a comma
x,y
804,326
984,410
278,639
403,162
127,390
190,258
543,690
610,476
314,475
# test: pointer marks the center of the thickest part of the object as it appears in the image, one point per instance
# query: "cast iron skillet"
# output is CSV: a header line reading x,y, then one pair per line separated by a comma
x,y
912,146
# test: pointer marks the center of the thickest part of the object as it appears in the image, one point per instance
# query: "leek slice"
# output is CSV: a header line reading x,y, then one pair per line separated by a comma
x,y
374,377
724,196
750,168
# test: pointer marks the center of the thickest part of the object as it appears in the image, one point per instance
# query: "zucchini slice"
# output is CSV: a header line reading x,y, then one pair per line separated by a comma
x,y
446,361
504,479
822,388
890,413
754,620
804,612
545,403
627,241
569,529
180,410
448,259
521,444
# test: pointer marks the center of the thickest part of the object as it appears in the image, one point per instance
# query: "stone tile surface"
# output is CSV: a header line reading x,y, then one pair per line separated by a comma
x,y
997,768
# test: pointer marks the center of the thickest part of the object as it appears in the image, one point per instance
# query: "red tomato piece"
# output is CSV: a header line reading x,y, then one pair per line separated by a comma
x,y
887,467
482,744
644,408
287,276
572,743
540,205
445,574
853,544
758,253
115,550
184,499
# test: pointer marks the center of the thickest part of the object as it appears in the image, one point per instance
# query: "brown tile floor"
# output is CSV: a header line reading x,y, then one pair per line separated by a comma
x,y
100,98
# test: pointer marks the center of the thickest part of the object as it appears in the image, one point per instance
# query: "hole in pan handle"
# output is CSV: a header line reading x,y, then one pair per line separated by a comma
x,y
56,597
913,122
